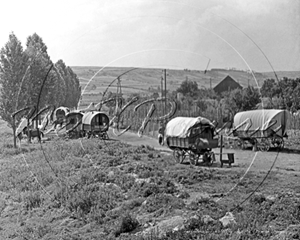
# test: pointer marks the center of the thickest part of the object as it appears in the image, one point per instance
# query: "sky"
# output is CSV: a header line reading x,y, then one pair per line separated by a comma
x,y
258,35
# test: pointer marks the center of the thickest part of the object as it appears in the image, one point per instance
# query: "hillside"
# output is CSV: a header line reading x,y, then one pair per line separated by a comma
x,y
143,79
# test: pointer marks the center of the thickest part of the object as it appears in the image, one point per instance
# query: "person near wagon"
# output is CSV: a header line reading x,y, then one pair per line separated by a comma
x,y
161,132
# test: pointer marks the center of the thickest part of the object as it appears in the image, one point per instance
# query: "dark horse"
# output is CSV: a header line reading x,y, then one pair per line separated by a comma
x,y
32,133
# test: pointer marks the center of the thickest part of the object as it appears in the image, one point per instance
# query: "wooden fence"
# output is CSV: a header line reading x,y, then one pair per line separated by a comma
x,y
135,119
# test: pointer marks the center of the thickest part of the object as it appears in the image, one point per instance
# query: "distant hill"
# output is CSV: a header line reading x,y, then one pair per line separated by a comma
x,y
281,74
147,80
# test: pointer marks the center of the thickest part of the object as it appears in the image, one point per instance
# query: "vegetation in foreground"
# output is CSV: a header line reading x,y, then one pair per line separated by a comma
x,y
87,189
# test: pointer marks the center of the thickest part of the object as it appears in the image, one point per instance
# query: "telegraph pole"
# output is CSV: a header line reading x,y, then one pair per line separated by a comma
x,y
165,77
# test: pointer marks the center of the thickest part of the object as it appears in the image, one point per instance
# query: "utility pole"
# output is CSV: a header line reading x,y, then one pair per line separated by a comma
x,y
210,82
165,76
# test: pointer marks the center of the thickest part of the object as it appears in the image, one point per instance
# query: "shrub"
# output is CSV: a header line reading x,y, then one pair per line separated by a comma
x,y
127,223
32,200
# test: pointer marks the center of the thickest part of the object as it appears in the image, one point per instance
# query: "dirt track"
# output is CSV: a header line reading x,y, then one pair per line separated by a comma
x,y
285,160
283,165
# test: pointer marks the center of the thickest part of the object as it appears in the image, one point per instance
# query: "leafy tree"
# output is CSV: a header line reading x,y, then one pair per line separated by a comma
x,y
76,88
188,88
13,65
155,95
40,63
289,92
242,99
202,105
69,84
270,89
251,97
205,93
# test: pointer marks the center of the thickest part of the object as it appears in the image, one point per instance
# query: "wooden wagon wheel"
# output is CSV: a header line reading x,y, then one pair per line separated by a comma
x,y
104,136
263,145
239,144
193,157
212,158
71,134
278,142
179,155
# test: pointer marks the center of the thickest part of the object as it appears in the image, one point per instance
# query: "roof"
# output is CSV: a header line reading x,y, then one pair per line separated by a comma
x,y
262,119
228,83
88,117
180,126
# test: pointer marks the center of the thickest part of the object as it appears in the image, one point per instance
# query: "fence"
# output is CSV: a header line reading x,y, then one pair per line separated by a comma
x,y
213,112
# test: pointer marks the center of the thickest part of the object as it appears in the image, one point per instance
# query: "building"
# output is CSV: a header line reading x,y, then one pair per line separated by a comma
x,y
227,84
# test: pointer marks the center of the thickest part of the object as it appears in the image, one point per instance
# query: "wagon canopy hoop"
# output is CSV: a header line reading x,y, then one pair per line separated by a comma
x,y
87,119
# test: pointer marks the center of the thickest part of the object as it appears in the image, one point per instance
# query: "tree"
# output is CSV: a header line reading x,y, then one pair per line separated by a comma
x,y
76,88
13,66
289,91
40,63
70,84
251,97
270,89
188,88
241,99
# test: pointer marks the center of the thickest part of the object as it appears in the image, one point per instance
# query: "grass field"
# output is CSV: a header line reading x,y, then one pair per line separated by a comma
x,y
91,189
131,188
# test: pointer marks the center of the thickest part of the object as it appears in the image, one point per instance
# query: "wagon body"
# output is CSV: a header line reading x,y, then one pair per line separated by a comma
x,y
74,124
265,125
191,136
184,132
261,123
95,123
73,118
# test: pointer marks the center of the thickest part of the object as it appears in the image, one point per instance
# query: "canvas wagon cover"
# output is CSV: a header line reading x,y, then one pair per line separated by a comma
x,y
263,119
73,113
181,126
65,109
87,117
21,126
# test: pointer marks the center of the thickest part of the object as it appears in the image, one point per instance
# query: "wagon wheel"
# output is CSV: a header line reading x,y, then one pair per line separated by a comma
x,y
212,158
194,157
179,155
104,136
263,145
239,144
209,158
72,135
278,142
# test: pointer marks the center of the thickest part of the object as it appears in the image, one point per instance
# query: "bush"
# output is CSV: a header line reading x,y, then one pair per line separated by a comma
x,y
32,200
126,224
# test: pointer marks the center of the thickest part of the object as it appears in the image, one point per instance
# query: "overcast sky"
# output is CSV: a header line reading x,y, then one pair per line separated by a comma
x,y
165,34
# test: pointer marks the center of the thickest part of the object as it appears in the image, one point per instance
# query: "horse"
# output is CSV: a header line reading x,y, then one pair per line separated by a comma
x,y
33,133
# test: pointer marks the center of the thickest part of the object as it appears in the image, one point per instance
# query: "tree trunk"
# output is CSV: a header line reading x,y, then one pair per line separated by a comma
x,y
14,133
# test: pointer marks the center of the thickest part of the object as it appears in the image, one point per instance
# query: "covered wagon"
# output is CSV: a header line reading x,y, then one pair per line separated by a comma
x,y
59,116
193,137
95,124
263,128
61,112
74,124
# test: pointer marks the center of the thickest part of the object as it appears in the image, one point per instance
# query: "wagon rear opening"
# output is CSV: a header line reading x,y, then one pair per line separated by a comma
x,y
95,124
